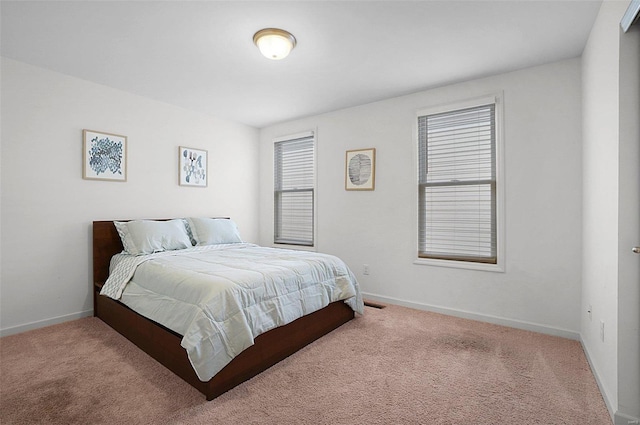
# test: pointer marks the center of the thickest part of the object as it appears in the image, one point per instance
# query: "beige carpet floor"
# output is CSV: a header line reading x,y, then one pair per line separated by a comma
x,y
391,366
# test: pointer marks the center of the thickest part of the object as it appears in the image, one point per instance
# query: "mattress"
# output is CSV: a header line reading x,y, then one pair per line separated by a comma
x,y
221,297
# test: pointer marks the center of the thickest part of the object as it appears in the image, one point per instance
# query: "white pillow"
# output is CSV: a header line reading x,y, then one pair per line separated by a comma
x,y
213,231
149,236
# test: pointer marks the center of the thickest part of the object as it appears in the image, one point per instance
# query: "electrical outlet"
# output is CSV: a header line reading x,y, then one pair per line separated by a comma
x,y
365,269
589,312
602,331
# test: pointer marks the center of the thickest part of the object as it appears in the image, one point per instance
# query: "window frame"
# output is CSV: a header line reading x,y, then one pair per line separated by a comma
x,y
314,190
499,266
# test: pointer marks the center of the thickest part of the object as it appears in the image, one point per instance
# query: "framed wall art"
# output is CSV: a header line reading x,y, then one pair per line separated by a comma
x,y
360,169
192,166
104,156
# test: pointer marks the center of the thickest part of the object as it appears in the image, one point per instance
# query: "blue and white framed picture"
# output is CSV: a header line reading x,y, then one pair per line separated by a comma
x,y
192,166
104,156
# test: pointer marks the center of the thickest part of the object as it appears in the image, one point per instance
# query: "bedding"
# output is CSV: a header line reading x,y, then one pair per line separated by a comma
x,y
149,236
213,231
221,297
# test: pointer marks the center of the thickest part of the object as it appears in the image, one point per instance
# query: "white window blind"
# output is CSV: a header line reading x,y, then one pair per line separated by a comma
x,y
294,191
457,185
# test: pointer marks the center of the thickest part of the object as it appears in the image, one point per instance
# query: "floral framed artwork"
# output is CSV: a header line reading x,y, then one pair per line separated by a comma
x,y
360,169
104,156
192,166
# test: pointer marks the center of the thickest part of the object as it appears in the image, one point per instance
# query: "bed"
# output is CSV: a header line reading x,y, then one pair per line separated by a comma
x,y
164,344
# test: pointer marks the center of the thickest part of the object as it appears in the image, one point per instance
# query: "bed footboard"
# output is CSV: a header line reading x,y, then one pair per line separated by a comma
x,y
269,348
164,345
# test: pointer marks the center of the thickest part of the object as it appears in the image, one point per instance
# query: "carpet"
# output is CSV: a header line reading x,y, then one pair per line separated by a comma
x,y
390,366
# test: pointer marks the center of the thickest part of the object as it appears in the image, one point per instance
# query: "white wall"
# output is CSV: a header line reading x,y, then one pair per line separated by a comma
x,y
611,107
47,208
629,228
600,187
541,286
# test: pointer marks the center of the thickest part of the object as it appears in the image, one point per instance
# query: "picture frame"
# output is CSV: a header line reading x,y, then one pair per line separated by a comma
x,y
104,156
360,169
192,167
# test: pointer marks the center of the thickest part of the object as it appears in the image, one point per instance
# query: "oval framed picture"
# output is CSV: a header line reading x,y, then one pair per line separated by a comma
x,y
360,169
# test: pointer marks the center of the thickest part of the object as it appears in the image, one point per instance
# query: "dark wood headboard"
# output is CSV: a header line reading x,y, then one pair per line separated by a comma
x,y
106,244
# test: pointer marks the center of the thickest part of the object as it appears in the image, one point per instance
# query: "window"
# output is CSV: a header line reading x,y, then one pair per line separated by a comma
x,y
458,210
294,190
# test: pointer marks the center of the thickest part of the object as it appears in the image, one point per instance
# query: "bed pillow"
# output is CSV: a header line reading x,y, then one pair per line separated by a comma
x,y
213,231
149,236
189,232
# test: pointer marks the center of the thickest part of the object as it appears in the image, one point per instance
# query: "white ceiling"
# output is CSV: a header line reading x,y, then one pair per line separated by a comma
x,y
200,55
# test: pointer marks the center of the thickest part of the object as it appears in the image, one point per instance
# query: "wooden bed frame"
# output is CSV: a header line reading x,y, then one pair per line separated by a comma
x,y
164,345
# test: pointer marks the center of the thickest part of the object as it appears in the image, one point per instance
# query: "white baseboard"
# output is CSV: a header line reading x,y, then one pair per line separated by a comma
x,y
512,323
622,419
42,323
594,371
617,417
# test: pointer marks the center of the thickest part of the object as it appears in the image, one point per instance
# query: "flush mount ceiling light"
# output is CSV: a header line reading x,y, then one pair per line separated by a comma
x,y
274,43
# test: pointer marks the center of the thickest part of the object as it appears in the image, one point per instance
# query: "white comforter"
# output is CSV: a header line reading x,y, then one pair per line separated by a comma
x,y
221,297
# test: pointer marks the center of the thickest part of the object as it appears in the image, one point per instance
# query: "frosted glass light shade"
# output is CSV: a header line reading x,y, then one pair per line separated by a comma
x,y
274,43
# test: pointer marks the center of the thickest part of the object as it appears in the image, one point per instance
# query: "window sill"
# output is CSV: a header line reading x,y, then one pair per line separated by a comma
x,y
496,268
294,247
